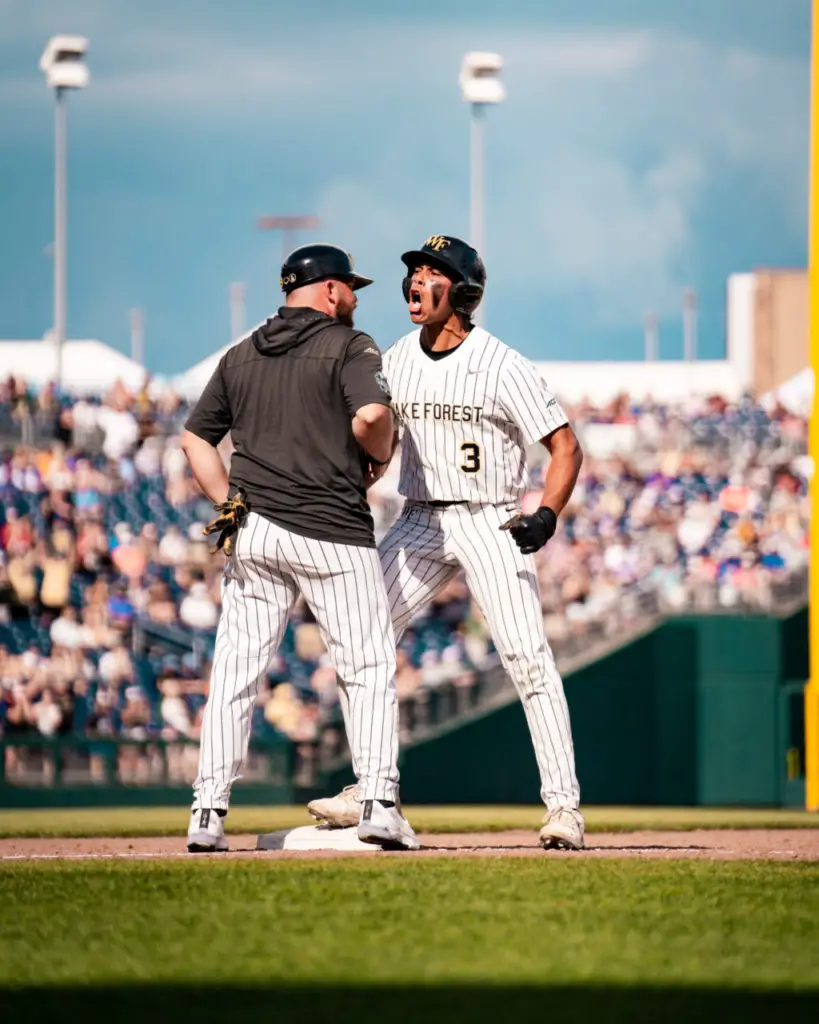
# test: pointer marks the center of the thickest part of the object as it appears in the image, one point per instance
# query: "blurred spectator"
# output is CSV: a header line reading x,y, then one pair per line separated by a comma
x,y
66,630
197,610
47,714
407,676
101,536
173,547
115,666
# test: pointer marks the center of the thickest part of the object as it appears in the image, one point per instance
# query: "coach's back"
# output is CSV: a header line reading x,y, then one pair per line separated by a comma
x,y
287,394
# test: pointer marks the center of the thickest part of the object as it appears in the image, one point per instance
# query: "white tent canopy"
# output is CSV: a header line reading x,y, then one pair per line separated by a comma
x,y
191,383
87,366
796,394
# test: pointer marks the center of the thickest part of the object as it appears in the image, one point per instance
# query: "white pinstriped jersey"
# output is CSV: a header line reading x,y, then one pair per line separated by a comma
x,y
467,419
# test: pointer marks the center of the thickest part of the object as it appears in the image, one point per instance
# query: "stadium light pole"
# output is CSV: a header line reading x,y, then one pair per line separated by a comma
x,y
238,296
136,318
481,86
651,334
288,227
63,64
812,687
689,325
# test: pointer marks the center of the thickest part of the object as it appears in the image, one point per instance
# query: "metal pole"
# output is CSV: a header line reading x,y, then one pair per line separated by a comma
x,y
652,347
287,243
60,248
476,189
238,291
689,326
137,336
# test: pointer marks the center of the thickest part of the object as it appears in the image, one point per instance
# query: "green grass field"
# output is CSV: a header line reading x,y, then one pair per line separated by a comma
x,y
434,940
431,940
173,821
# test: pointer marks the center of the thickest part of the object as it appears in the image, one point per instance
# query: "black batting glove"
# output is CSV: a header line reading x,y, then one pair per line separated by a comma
x,y
533,531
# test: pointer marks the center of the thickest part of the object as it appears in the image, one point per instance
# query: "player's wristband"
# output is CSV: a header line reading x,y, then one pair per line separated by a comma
x,y
548,517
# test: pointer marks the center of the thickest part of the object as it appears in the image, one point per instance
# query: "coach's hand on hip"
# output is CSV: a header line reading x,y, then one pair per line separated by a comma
x,y
531,532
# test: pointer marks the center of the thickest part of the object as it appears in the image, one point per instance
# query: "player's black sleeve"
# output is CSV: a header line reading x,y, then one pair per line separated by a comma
x,y
211,418
362,376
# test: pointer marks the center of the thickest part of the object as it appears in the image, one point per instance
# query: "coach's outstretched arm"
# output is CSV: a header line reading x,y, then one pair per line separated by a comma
x,y
207,466
564,467
374,429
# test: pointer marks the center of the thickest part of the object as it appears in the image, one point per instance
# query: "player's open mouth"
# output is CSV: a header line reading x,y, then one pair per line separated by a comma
x,y
414,301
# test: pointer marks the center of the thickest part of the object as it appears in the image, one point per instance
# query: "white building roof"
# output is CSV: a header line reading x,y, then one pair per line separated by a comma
x,y
664,380
191,383
87,366
667,380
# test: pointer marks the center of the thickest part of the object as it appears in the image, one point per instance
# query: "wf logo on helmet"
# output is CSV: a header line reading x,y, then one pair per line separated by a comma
x,y
436,242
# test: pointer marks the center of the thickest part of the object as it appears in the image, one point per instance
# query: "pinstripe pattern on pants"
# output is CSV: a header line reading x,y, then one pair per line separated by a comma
x,y
344,588
424,549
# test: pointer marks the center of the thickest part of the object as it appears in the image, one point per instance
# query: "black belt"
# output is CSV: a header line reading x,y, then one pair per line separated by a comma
x,y
439,504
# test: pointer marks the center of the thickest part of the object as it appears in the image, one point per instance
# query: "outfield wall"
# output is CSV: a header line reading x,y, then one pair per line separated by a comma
x,y
702,711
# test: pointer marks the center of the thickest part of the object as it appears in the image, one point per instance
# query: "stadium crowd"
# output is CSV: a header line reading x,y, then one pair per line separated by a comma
x,y
105,573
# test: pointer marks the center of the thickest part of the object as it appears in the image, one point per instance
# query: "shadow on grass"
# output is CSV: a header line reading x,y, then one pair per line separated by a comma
x,y
382,1003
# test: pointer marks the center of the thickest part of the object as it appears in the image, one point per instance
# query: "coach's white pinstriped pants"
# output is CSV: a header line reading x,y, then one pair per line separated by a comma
x,y
423,550
344,588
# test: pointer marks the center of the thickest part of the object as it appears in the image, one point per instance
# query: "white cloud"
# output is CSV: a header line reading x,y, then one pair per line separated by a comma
x,y
570,55
601,182
595,171
603,233
135,69
596,164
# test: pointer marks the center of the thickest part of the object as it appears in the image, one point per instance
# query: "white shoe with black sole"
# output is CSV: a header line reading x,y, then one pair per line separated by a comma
x,y
206,832
386,826
563,829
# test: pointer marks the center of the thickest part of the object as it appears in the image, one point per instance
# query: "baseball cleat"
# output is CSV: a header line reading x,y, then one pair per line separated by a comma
x,y
562,829
341,810
386,826
206,832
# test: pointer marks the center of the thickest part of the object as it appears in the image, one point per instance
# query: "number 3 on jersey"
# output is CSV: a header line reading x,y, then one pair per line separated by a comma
x,y
472,457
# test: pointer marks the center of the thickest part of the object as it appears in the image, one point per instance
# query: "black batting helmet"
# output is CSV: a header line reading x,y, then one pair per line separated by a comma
x,y
318,262
459,261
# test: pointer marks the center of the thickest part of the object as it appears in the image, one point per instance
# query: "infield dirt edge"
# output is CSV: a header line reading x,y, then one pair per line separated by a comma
x,y
702,844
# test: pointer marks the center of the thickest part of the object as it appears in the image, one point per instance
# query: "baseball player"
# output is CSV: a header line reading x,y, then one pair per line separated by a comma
x,y
308,408
469,406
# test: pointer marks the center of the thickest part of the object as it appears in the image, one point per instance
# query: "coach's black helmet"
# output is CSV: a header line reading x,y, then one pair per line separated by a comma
x,y
319,262
459,261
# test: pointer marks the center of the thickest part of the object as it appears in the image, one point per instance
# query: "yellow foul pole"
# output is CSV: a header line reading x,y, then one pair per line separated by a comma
x,y
812,688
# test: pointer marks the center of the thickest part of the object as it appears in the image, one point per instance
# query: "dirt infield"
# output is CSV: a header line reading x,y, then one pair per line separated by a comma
x,y
750,844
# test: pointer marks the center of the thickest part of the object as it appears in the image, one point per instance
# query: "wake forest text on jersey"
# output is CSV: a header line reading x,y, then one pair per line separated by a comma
x,y
438,411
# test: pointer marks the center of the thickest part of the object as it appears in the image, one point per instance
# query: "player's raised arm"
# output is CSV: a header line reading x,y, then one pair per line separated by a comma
x,y
540,417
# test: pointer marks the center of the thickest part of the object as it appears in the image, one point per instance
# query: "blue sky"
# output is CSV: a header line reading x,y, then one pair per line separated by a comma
x,y
644,147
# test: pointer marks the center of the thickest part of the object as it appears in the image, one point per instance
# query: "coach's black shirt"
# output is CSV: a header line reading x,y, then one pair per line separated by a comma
x,y
287,395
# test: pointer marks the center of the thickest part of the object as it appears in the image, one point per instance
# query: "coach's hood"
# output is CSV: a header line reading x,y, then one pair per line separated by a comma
x,y
289,328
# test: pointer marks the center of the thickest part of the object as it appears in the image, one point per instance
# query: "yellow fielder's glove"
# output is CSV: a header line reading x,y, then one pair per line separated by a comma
x,y
232,513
